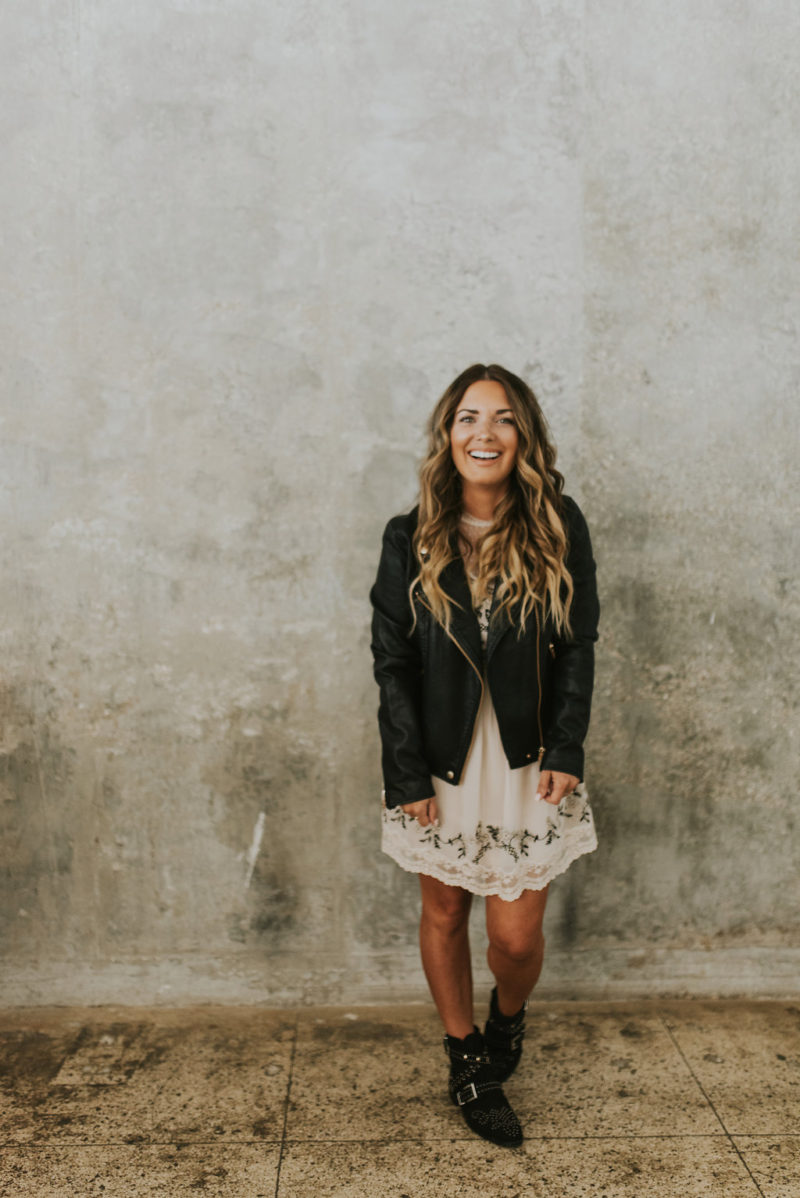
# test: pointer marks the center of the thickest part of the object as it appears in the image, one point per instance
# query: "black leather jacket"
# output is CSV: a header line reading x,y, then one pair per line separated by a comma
x,y
431,681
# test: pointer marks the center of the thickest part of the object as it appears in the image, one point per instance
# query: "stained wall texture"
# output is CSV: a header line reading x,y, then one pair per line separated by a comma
x,y
245,247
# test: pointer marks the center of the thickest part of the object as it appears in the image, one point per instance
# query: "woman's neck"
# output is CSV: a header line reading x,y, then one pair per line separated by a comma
x,y
481,502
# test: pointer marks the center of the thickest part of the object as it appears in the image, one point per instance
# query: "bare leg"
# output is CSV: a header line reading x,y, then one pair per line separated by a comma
x,y
444,943
516,946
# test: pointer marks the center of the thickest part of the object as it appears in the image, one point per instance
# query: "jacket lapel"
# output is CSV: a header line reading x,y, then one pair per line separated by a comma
x,y
498,626
463,620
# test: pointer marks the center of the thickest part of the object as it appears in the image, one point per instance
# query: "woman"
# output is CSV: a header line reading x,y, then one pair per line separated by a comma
x,y
485,617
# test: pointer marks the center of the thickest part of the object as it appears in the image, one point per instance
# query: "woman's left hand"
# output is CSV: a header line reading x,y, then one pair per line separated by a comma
x,y
555,786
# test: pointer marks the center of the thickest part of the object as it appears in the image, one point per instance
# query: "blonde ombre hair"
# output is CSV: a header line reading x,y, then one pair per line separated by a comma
x,y
525,549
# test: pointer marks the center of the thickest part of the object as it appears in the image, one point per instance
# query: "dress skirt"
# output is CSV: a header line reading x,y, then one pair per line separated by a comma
x,y
494,836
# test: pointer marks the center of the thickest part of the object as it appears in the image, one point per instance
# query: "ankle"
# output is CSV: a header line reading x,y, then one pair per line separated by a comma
x,y
503,1016
472,1042
459,1029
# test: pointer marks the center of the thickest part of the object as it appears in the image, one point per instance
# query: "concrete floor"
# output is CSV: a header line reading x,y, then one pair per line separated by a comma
x,y
686,1099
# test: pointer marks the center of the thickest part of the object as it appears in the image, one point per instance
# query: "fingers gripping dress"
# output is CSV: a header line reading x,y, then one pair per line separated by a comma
x,y
494,835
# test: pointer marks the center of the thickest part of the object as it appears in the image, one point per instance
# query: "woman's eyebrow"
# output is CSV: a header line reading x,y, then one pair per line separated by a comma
x,y
476,411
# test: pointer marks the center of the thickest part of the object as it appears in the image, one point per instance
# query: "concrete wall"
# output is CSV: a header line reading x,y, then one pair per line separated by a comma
x,y
245,248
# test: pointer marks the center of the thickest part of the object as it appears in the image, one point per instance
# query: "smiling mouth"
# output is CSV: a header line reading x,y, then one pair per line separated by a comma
x,y
482,455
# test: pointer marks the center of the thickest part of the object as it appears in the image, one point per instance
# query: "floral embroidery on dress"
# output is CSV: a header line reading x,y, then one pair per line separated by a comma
x,y
475,860
486,836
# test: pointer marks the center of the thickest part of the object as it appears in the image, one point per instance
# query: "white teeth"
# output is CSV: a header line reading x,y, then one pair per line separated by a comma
x,y
478,453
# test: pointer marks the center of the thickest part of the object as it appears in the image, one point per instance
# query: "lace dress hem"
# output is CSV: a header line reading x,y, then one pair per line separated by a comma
x,y
429,853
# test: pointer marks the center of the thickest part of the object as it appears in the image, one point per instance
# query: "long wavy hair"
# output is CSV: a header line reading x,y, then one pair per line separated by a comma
x,y
524,551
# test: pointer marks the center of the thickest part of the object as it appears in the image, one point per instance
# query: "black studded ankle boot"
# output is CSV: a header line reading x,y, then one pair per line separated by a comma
x,y
504,1035
474,1088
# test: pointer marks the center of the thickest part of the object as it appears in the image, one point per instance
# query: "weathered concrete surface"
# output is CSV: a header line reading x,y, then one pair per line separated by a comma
x,y
690,456
699,1098
245,249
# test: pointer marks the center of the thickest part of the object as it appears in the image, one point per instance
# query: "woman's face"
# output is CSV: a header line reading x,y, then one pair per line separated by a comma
x,y
483,435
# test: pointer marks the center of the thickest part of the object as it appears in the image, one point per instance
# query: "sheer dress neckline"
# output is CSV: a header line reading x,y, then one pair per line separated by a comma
x,y
475,521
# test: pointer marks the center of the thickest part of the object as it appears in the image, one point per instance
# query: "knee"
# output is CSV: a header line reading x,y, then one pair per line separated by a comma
x,y
448,915
518,944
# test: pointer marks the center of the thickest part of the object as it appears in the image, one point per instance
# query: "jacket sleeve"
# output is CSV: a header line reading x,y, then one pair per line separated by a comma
x,y
398,672
573,668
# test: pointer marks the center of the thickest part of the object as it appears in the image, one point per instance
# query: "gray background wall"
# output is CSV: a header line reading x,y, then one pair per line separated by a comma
x,y
245,248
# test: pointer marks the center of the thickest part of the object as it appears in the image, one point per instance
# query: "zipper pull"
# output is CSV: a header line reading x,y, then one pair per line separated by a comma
x,y
541,753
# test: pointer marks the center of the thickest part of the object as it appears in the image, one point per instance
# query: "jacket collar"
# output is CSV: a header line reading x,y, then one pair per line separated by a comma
x,y
463,620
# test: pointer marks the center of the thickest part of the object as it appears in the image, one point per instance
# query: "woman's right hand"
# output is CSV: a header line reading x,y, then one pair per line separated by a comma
x,y
425,812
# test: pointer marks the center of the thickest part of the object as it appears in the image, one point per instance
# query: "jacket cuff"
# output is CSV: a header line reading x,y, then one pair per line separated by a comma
x,y
409,792
566,761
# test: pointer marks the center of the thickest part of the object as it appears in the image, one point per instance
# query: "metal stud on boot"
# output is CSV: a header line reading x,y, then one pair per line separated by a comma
x,y
475,1089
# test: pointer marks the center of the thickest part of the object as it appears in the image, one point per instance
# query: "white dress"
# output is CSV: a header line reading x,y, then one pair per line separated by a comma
x,y
494,836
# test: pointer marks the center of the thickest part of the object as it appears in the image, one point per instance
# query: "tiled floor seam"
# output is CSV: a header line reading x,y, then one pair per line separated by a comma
x,y
294,1141
176,1142
286,1104
705,1094
298,1141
